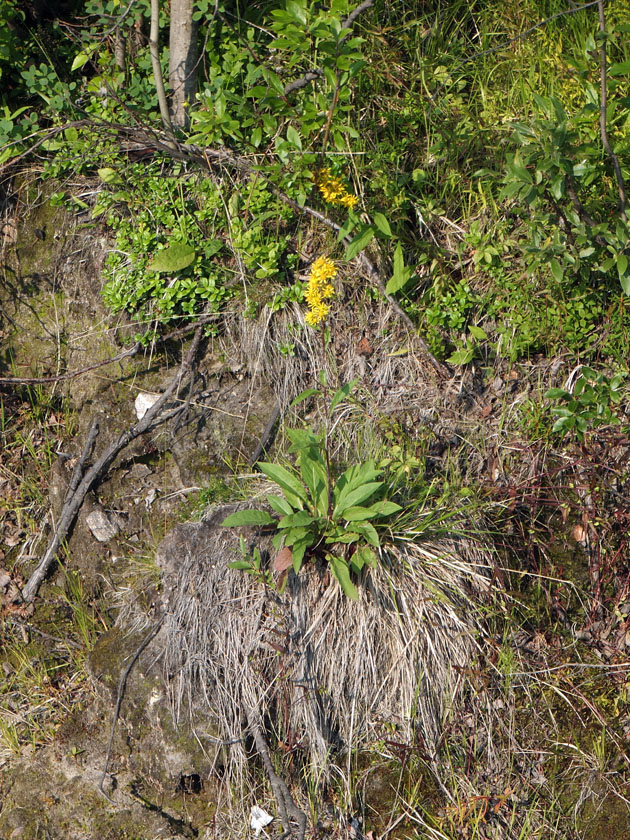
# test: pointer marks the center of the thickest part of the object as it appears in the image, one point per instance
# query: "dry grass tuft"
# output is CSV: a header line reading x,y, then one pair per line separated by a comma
x,y
325,674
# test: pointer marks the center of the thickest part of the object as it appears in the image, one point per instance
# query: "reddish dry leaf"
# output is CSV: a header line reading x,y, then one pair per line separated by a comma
x,y
284,560
364,348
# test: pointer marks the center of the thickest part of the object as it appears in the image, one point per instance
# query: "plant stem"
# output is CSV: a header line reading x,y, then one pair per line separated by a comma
x,y
326,428
157,69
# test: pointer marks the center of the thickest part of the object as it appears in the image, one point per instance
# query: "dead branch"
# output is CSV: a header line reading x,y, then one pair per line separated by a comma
x,y
286,804
153,417
122,685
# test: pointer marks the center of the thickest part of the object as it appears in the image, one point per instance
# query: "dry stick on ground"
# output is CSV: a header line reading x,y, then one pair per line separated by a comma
x,y
287,807
73,503
121,693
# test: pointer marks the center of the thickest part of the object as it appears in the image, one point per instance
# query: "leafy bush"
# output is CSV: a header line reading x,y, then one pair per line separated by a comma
x,y
590,404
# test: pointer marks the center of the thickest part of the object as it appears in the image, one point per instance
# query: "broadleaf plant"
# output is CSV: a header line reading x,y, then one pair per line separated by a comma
x,y
334,518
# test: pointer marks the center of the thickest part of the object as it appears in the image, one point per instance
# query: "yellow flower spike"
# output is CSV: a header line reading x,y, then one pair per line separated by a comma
x,y
333,189
318,290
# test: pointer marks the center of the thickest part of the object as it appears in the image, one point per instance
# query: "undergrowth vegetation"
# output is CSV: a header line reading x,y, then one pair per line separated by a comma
x,y
464,167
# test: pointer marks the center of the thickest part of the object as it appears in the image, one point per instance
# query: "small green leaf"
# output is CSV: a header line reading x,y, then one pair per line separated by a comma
x,y
622,265
79,60
619,69
310,392
556,271
342,394
341,571
557,393
256,137
368,532
108,175
477,333
360,241
248,517
172,259
382,224
461,356
400,275
280,505
242,565
294,138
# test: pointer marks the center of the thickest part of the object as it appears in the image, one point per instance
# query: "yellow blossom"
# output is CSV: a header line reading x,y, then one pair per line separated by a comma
x,y
334,190
319,289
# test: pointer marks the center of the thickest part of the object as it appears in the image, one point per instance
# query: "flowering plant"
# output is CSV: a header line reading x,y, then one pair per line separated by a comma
x,y
322,516
319,290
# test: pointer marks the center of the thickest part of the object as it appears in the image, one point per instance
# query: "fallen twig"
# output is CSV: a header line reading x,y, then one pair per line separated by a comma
x,y
121,693
73,503
286,805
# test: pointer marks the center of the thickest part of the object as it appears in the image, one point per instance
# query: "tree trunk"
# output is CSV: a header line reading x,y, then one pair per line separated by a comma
x,y
183,60
154,47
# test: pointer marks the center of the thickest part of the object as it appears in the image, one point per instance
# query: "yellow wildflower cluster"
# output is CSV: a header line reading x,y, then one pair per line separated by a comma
x,y
334,190
319,290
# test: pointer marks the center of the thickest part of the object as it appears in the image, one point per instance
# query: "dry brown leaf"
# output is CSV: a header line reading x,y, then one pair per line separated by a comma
x,y
364,348
283,560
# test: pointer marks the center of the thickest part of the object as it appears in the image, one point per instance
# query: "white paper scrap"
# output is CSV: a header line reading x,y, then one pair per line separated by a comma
x,y
144,402
259,819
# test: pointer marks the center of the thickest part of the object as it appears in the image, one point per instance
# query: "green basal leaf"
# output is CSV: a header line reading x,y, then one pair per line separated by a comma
x,y
360,241
368,532
341,536
280,505
359,514
294,138
294,490
352,478
296,520
401,273
248,517
363,556
557,394
315,477
382,224
295,535
385,508
310,392
355,497
340,570
477,333
299,549
242,565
